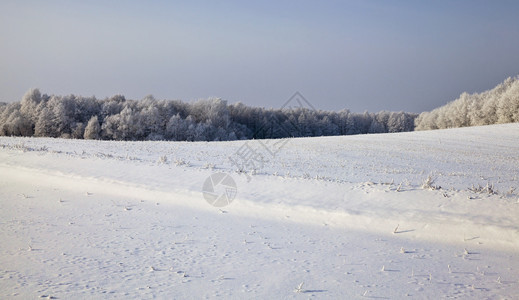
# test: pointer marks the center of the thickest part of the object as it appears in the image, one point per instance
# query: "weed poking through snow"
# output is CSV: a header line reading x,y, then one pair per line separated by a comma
x,y
428,184
163,159
395,231
488,189
299,288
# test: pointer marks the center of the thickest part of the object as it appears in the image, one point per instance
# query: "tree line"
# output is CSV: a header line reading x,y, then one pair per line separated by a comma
x,y
498,105
117,118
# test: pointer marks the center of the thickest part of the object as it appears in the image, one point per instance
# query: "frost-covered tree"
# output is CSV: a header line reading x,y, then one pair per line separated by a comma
x,y
17,125
78,130
62,110
93,129
150,120
176,128
45,126
376,127
123,126
29,105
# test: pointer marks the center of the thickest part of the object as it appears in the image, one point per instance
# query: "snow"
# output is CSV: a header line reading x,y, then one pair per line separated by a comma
x,y
346,216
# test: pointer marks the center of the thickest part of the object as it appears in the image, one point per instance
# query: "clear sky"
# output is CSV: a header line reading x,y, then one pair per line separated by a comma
x,y
361,55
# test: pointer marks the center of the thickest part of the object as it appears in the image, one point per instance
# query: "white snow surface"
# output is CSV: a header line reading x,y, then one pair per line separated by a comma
x,y
331,217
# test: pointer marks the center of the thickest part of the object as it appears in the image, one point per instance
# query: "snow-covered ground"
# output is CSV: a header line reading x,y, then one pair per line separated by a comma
x,y
332,217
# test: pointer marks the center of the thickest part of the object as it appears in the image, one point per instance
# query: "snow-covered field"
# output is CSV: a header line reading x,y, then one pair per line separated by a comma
x,y
333,217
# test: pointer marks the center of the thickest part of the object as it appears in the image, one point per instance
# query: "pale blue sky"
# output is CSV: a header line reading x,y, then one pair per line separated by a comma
x,y
361,55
